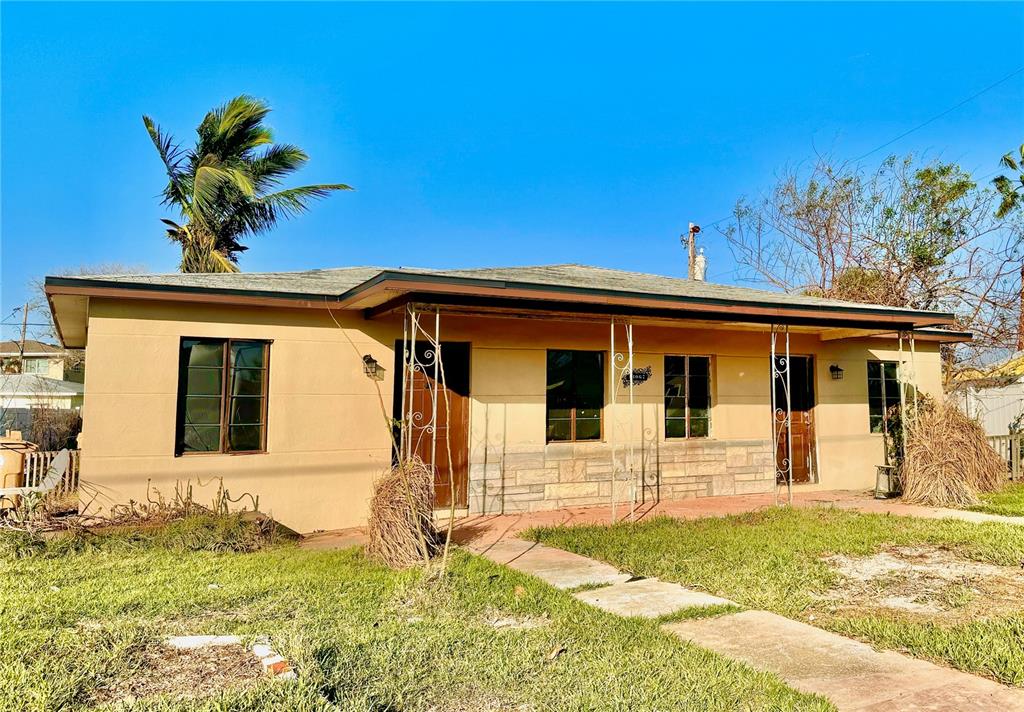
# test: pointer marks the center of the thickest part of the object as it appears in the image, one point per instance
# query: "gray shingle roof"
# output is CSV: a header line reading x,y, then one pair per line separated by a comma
x,y
32,347
30,384
335,282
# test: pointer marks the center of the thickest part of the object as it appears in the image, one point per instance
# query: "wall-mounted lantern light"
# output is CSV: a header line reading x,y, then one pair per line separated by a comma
x,y
836,371
370,367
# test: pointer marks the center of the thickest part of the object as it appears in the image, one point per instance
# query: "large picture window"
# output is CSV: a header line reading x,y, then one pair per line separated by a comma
x,y
222,396
883,394
575,395
687,396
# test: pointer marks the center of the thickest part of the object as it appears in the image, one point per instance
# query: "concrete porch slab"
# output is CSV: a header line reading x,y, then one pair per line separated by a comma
x,y
851,674
558,568
647,598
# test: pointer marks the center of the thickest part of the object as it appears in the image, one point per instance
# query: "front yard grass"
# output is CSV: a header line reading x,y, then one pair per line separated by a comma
x,y
361,637
1008,502
774,560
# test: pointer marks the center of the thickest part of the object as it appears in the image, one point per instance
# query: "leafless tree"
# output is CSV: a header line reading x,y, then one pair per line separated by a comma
x,y
916,234
39,305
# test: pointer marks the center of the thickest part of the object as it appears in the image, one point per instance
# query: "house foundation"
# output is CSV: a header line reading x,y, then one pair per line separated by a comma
x,y
580,474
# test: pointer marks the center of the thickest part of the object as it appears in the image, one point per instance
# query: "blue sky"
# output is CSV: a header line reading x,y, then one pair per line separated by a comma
x,y
481,134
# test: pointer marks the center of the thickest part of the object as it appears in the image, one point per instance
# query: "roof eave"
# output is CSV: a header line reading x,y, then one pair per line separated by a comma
x,y
389,284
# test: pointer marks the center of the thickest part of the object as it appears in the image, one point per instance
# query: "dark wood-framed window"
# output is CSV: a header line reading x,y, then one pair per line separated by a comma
x,y
575,395
883,394
687,396
222,396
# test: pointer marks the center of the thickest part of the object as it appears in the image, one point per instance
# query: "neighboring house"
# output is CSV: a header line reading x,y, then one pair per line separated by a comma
x,y
28,390
42,359
994,396
270,381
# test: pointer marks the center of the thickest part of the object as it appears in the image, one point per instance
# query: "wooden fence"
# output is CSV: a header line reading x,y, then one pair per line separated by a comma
x,y
1009,447
37,463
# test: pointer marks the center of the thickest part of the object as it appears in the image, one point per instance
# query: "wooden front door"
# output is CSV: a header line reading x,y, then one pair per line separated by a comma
x,y
801,401
449,450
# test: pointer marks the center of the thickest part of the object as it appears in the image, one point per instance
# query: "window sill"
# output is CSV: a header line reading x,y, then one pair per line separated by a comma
x,y
223,454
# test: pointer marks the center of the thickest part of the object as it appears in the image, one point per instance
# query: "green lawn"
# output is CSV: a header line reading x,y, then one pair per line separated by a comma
x,y
1009,501
362,637
773,560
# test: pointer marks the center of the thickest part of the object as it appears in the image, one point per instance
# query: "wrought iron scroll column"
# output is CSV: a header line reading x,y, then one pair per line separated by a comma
x,y
413,426
906,375
782,413
623,456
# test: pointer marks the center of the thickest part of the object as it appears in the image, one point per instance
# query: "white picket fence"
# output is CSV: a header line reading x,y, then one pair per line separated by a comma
x,y
37,463
1009,447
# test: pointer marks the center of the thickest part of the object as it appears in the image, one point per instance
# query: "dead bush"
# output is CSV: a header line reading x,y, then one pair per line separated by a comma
x,y
54,428
177,522
947,460
400,528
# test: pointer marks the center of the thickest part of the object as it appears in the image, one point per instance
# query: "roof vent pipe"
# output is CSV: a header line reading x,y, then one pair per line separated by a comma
x,y
700,266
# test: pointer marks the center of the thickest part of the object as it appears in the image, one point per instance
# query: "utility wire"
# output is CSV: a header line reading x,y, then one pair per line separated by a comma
x,y
1009,76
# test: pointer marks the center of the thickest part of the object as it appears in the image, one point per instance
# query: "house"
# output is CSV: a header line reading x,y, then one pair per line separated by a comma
x,y
28,390
39,359
561,385
995,396
35,379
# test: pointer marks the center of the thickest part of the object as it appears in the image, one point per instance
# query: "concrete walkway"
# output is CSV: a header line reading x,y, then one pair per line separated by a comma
x,y
864,503
851,674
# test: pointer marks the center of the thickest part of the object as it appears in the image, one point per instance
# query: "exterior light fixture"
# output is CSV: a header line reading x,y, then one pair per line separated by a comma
x,y
370,366
836,371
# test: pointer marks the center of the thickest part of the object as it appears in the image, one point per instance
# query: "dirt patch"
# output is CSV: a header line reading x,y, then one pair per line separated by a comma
x,y
925,580
502,621
184,673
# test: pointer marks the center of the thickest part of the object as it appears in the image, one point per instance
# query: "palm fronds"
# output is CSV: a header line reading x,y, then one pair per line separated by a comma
x,y
227,187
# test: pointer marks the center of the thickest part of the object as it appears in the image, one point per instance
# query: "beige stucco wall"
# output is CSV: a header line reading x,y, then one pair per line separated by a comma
x,y
325,438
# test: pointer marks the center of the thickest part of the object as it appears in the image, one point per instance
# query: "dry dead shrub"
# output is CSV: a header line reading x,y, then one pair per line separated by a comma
x,y
947,460
400,528
54,428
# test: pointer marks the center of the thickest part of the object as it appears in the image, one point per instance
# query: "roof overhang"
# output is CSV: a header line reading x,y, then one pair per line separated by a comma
x,y
389,290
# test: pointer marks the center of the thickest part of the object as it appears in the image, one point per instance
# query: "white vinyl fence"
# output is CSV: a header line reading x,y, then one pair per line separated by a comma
x,y
37,463
995,408
1009,447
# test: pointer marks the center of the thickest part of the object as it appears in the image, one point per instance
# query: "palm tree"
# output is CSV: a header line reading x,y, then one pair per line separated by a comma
x,y
1011,193
227,187
1011,189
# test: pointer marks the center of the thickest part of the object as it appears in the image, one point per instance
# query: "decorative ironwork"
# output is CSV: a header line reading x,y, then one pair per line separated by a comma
x,y
637,376
906,376
782,413
416,425
623,456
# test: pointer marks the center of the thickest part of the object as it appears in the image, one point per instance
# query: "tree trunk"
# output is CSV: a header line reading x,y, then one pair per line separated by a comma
x,y
1020,311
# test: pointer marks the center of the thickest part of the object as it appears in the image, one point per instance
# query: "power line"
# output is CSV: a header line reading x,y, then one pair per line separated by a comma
x,y
1009,76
